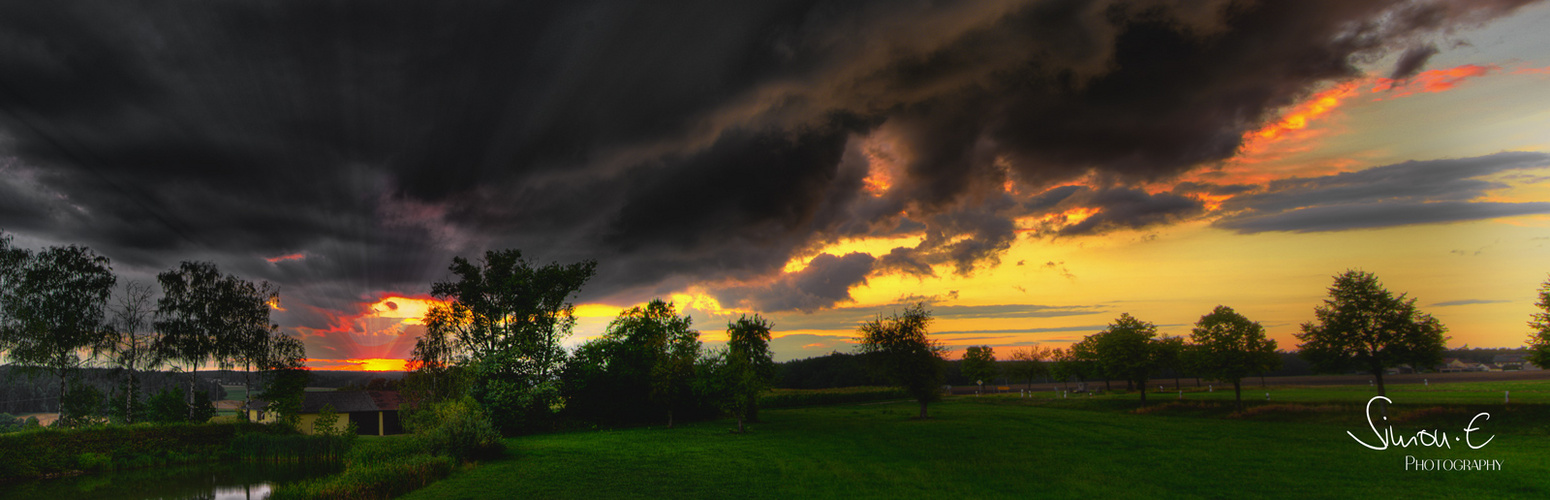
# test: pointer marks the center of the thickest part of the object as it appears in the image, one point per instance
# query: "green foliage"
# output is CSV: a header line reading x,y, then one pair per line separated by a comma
x,y
327,422
166,406
1231,347
50,451
749,368
457,428
382,478
284,444
284,391
503,325
203,409
979,364
52,306
1030,362
9,423
517,408
1127,350
82,406
1539,339
1364,326
640,369
905,354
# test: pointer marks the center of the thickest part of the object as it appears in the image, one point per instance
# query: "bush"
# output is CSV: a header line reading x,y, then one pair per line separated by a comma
x,y
45,452
457,428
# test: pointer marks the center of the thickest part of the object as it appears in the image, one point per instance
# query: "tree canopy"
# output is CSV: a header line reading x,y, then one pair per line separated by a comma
x,y
979,363
1539,339
1127,350
904,353
1364,326
54,306
1231,347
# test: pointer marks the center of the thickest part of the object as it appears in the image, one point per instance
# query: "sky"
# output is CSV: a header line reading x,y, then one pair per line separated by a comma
x,y
1029,169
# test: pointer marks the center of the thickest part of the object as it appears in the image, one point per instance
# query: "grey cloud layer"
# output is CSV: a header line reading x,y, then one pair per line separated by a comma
x,y
1415,192
676,143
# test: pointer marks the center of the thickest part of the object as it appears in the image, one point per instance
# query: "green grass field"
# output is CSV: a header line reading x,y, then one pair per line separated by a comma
x,y
1008,446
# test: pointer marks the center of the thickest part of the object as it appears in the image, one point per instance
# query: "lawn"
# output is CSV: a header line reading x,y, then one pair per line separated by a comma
x,y
1007,446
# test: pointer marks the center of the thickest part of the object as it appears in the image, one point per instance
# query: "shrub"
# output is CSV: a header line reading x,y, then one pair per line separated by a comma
x,y
457,428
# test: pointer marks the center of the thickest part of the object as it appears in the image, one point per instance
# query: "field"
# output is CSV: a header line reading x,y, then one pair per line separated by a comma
x,y
1010,446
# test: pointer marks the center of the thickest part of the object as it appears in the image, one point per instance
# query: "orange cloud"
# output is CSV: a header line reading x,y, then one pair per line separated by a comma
x,y
1532,71
282,258
1297,118
1435,80
383,327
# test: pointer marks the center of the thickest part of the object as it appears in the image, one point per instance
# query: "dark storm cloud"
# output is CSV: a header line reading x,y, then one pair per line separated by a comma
x,y
677,143
825,281
1412,61
1415,192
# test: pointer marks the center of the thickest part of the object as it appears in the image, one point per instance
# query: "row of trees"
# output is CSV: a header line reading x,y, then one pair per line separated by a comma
x,y
1361,326
58,313
497,340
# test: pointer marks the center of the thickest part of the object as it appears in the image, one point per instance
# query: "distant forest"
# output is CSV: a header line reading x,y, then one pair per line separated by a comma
x,y
21,393
849,370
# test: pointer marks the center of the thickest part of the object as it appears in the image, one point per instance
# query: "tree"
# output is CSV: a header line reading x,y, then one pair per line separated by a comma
x,y
512,313
905,354
128,344
641,367
979,363
54,305
1084,359
1170,356
205,317
503,325
1127,350
285,377
749,369
1364,326
1231,347
1539,340
1030,362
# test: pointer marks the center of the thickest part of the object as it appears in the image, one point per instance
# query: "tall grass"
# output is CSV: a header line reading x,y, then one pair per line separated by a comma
x,y
377,468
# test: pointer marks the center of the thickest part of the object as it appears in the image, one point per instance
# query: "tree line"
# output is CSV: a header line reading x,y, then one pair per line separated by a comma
x,y
496,342
59,313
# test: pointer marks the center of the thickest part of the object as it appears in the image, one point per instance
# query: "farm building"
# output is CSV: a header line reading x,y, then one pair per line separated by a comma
x,y
375,413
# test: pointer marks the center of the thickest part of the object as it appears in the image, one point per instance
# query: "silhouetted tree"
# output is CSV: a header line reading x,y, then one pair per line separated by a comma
x,y
1030,362
1539,340
749,369
129,342
507,318
1362,325
1170,357
643,364
979,363
905,354
1127,350
54,305
1231,347
205,317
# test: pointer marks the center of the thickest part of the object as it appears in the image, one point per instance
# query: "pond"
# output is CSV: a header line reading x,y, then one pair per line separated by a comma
x,y
211,481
